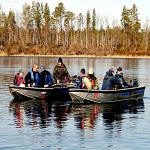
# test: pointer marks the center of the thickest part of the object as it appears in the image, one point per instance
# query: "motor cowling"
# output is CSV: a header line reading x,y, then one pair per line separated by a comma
x,y
134,82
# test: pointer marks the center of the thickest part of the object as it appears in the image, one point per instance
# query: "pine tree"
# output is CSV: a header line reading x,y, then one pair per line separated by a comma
x,y
88,27
11,26
135,25
46,16
93,27
59,15
27,22
80,28
94,21
37,16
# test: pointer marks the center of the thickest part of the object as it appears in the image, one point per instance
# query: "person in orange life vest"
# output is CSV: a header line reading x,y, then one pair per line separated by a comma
x,y
93,80
81,79
18,79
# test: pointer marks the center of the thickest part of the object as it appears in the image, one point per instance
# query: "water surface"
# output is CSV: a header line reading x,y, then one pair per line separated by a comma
x,y
40,124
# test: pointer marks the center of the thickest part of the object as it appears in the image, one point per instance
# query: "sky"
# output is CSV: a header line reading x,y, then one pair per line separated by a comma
x,y
110,9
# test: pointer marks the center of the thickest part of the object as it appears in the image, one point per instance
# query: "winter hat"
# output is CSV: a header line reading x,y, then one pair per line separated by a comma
x,y
90,71
60,60
42,68
119,69
111,70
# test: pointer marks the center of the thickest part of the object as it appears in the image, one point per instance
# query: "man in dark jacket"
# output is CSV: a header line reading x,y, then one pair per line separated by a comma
x,y
32,77
110,82
119,76
46,79
60,73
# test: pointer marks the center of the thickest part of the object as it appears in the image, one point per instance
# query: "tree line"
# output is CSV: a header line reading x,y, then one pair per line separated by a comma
x,y
37,30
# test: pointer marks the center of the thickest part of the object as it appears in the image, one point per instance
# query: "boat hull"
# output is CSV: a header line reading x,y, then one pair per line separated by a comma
x,y
105,96
23,93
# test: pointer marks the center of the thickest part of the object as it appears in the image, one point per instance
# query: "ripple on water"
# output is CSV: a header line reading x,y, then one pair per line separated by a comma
x,y
51,125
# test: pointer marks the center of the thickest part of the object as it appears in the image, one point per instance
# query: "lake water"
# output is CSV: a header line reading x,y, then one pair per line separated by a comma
x,y
42,125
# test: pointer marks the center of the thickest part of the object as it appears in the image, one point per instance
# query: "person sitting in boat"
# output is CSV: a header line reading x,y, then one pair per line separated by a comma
x,y
32,78
60,73
18,79
81,79
110,82
91,81
46,79
119,76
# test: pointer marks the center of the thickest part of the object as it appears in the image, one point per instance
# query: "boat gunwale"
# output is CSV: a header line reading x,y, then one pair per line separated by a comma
x,y
71,89
39,89
107,91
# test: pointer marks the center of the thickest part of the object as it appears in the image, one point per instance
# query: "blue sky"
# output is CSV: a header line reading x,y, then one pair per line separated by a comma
x,y
105,8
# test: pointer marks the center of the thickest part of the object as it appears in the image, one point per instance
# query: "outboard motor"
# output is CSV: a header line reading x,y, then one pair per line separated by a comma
x,y
134,82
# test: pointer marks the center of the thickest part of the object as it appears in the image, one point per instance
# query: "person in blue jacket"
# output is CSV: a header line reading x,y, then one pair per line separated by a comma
x,y
119,76
46,79
32,78
110,82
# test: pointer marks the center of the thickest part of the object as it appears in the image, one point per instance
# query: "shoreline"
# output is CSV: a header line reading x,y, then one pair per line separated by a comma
x,y
80,56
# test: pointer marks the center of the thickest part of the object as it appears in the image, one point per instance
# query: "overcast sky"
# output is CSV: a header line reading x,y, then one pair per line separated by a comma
x,y
106,8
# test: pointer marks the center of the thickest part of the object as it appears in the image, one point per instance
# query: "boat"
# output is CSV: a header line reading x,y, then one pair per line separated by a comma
x,y
104,96
58,91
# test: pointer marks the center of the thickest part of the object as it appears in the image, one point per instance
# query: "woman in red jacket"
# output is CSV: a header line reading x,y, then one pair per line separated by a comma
x,y
18,79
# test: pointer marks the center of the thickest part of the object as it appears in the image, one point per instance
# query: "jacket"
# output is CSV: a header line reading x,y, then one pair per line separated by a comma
x,y
81,82
17,80
32,78
110,82
122,81
45,78
94,82
61,74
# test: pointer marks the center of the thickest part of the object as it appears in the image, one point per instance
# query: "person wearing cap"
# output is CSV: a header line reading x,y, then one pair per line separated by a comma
x,y
110,82
33,77
18,79
92,82
119,76
60,73
46,79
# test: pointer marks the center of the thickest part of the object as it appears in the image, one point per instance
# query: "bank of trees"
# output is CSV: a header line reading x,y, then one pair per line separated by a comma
x,y
37,30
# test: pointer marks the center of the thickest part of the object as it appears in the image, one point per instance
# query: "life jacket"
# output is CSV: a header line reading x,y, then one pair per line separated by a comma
x,y
37,77
93,86
82,82
120,79
93,82
19,81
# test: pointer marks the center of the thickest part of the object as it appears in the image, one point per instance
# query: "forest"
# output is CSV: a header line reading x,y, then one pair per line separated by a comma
x,y
38,31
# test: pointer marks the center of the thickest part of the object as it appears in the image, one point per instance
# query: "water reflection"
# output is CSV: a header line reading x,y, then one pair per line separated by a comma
x,y
38,113
42,113
44,125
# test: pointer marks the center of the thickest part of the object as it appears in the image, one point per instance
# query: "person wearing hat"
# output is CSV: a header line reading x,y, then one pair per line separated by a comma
x,y
91,81
46,79
18,79
110,82
60,73
119,76
32,78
